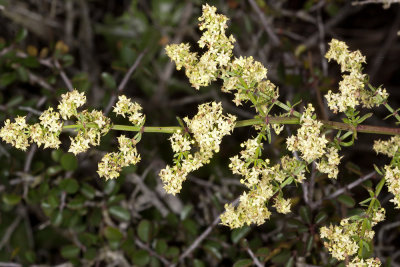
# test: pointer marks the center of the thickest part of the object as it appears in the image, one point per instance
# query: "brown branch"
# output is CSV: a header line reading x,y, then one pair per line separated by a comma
x,y
64,76
274,38
386,3
201,237
152,252
345,188
124,82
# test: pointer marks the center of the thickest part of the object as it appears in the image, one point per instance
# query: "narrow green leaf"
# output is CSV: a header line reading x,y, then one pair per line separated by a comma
x,y
305,214
321,216
363,118
378,170
365,201
310,242
379,186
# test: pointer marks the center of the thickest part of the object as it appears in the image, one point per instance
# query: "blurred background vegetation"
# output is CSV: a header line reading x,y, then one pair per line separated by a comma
x,y
56,211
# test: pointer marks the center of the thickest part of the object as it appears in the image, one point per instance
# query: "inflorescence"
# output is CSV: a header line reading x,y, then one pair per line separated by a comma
x,y
200,137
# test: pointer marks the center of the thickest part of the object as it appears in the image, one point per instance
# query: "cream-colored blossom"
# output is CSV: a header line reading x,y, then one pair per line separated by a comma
x,y
247,76
293,167
348,61
111,164
392,177
47,132
180,142
378,216
202,70
278,128
329,163
16,133
389,147
207,128
70,102
88,136
282,205
340,239
308,140
50,120
251,208
261,180
371,262
352,89
125,107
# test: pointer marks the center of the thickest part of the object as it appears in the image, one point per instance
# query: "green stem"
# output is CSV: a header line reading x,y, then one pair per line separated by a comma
x,y
272,120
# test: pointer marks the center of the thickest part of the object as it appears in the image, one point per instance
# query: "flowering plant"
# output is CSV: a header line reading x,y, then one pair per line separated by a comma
x,y
316,146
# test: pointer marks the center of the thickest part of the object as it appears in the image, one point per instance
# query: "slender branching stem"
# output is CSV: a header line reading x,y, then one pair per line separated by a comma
x,y
244,123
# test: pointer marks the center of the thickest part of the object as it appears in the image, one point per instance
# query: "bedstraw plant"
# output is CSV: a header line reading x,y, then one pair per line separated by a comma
x,y
195,140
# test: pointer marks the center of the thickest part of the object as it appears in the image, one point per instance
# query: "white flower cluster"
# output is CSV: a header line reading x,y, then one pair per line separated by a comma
x,y
243,74
352,91
389,147
308,139
313,145
392,171
47,132
203,70
87,136
16,133
111,164
247,76
329,163
125,106
392,177
342,240
262,180
70,102
371,262
207,127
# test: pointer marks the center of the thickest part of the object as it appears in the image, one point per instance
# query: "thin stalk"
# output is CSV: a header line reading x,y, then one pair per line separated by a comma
x,y
272,120
287,108
391,110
